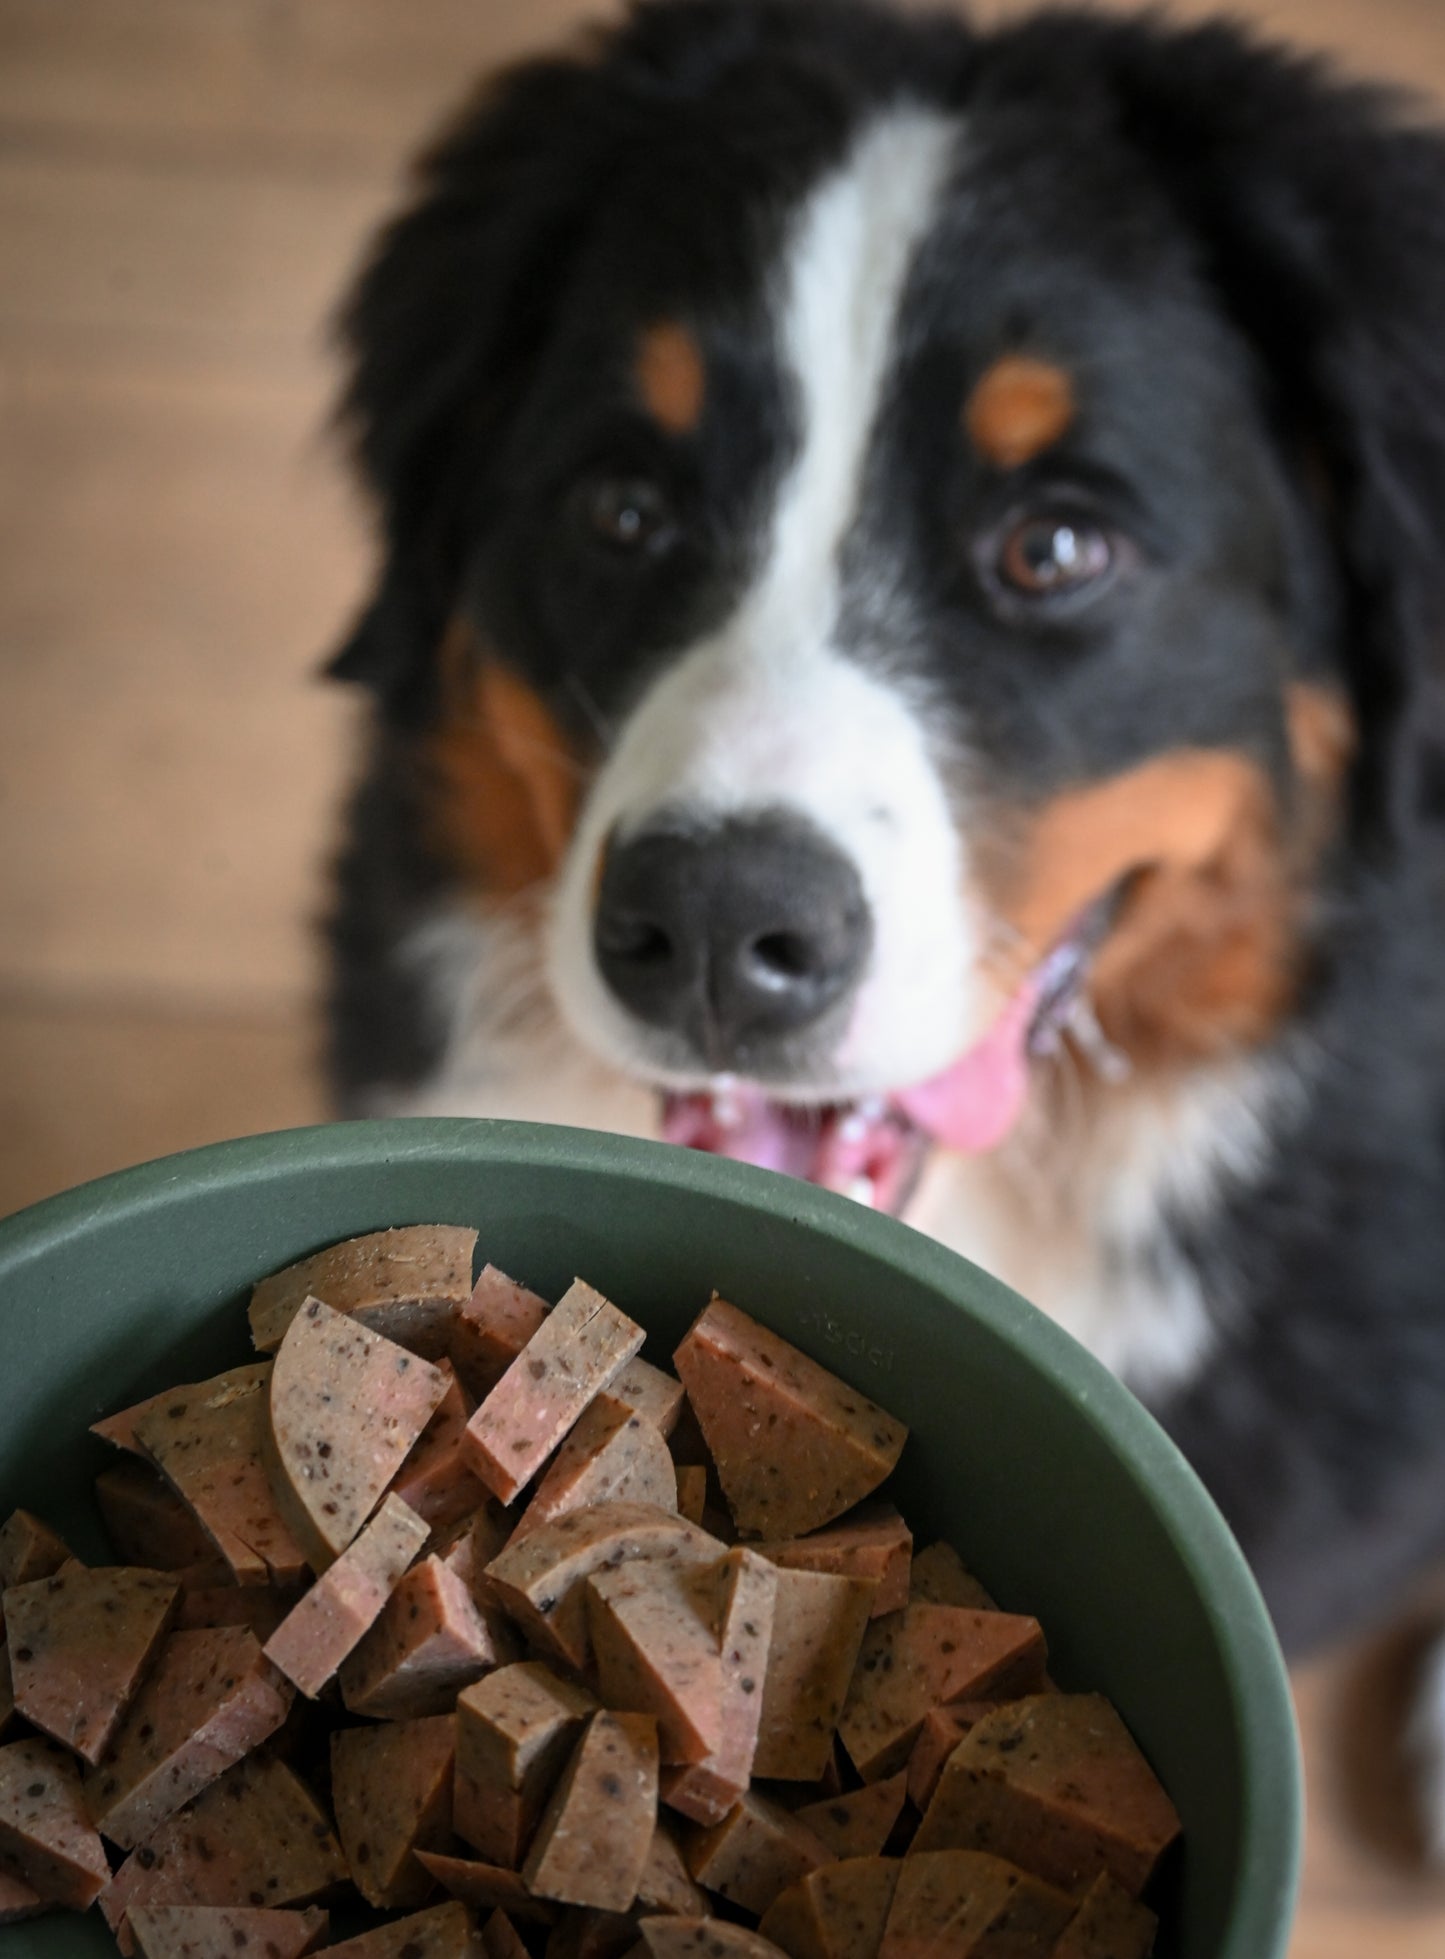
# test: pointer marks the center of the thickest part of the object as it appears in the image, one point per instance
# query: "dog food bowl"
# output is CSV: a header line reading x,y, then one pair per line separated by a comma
x,y
1057,1488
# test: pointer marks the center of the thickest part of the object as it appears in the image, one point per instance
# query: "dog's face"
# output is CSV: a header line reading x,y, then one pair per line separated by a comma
x,y
881,591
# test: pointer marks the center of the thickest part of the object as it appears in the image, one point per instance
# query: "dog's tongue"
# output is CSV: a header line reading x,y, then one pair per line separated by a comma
x,y
974,1104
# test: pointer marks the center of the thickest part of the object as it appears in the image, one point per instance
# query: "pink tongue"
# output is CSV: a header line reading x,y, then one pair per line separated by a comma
x,y
974,1104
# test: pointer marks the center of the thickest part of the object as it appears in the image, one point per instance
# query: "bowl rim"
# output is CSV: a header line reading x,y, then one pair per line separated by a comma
x,y
1272,1826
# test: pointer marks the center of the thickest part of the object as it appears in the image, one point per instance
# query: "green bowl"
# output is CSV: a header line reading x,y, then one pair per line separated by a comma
x,y
1055,1485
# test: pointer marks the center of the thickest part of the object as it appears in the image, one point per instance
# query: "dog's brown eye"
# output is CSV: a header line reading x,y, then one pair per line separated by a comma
x,y
1043,557
627,513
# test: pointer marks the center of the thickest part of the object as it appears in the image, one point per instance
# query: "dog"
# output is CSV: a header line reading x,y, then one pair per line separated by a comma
x,y
909,650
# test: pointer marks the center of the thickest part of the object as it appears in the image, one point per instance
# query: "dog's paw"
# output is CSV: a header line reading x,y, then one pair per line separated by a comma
x,y
1425,1745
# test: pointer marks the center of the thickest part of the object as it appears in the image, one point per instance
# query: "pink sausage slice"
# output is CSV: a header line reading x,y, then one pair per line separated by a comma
x,y
80,1644
794,1446
430,1640
746,1590
515,1729
329,1621
29,1550
613,1455
965,1904
7,1693
940,1577
874,1544
703,1938
837,1912
1109,1924
666,1884
346,1407
147,1522
648,1391
655,1648
18,1901
860,1824
593,1840
46,1835
818,1627
755,1853
491,1328
487,1887
501,1939
391,1788
226,1932
435,1479
583,1342
405,1283
942,1730
208,1441
210,1699
444,1932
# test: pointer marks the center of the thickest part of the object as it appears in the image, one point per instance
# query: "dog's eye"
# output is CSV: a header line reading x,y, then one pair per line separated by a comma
x,y
626,514
1051,556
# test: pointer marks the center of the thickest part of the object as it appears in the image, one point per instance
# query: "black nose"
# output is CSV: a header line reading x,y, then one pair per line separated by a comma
x,y
731,935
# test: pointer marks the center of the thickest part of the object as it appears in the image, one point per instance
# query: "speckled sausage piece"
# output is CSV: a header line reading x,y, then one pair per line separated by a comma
x,y
147,1522
330,1620
29,1550
8,1718
430,1641
1057,1784
703,1938
391,1789
443,1932
208,1440
487,1887
255,1837
649,1391
501,1939
926,1656
964,1903
209,1700
592,1841
691,1491
755,1853
1109,1924
940,1577
539,1578
80,1644
875,1544
818,1626
490,1329
346,1407
655,1649
745,1587
435,1480
226,1932
612,1455
837,1912
207,1601
578,1349
18,1901
46,1834
942,1730
666,1884
405,1283
859,1824
794,1446
515,1729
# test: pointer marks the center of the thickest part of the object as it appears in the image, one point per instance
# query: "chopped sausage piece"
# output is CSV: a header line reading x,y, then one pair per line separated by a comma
x,y
391,1788
501,1939
942,1730
487,1887
147,1522
346,1407
860,1824
648,1391
29,1550
18,1901
1057,1784
490,1329
665,1883
515,1729
436,1480
757,1851
926,1656
794,1446
940,1577
582,1933
592,1842
430,1640
837,1912
443,1932
225,1931
746,1590
208,1442
1109,1924
540,1578
80,1644
576,1351
876,1544
655,1648
209,1699
613,1455
46,1836
971,1906
703,1938
255,1837
691,1490
207,1601
405,1283
328,1622
818,1628
468,1550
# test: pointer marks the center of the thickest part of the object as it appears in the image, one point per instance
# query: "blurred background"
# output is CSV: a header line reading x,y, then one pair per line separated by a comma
x,y
184,186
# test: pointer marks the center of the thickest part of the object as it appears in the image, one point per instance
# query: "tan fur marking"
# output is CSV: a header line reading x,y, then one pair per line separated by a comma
x,y
508,782
1322,733
672,377
1020,407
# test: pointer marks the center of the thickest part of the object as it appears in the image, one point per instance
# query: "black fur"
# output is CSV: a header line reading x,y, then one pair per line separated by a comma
x,y
1270,247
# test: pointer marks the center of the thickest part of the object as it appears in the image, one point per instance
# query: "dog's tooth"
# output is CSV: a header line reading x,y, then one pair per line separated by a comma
x,y
853,1128
871,1109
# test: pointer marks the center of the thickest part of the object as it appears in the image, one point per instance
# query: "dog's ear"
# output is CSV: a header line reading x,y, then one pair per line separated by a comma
x,y
1320,210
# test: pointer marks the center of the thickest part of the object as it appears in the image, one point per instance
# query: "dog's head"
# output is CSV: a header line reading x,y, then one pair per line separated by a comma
x,y
922,546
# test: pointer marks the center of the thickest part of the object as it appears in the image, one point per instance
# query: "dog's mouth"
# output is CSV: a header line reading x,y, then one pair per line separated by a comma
x,y
875,1149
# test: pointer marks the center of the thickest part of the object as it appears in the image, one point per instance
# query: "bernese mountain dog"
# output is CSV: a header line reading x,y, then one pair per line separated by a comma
x,y
910,649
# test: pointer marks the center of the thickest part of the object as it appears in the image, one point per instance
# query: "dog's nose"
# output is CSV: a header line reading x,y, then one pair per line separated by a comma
x,y
732,934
